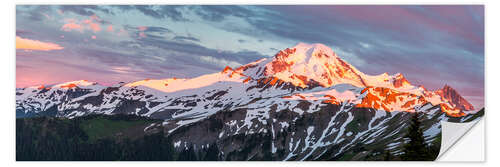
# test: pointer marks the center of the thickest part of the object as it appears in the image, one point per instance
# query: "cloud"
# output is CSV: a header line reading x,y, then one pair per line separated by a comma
x,y
218,13
147,31
157,29
92,23
220,62
72,26
430,44
124,70
94,27
365,45
33,13
84,10
110,28
194,49
142,28
184,38
122,32
47,16
172,12
28,44
23,32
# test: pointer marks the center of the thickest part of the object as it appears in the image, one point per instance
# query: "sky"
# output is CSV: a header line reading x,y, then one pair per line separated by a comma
x,y
430,45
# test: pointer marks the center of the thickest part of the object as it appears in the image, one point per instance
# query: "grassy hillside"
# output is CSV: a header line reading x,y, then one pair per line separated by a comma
x,y
105,126
96,137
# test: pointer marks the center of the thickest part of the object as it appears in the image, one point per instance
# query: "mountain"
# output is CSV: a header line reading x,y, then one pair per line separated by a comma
x,y
305,103
454,98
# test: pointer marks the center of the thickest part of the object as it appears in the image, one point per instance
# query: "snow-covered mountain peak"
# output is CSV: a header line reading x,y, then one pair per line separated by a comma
x,y
226,76
314,66
308,50
72,84
65,85
454,98
306,63
36,87
304,53
400,81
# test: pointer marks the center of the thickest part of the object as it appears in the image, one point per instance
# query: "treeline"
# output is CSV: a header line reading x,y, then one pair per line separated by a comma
x,y
59,139
53,139
417,149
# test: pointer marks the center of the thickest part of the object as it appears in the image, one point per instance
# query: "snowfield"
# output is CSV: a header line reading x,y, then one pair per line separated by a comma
x,y
309,101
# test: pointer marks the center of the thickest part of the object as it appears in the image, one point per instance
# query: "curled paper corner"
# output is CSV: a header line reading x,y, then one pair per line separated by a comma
x,y
451,133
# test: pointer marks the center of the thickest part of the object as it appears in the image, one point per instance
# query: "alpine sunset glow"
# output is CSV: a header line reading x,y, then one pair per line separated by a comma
x,y
28,44
431,45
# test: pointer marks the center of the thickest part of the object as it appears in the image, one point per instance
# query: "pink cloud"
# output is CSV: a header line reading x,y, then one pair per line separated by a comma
x,y
72,26
95,27
47,16
122,32
87,21
142,28
141,34
95,17
28,44
110,28
87,24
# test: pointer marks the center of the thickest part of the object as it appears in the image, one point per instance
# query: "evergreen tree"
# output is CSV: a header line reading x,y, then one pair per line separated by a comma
x,y
267,148
188,155
415,149
168,149
388,156
212,153
60,139
435,147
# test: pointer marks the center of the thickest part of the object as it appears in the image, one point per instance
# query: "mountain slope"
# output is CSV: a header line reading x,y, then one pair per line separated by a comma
x,y
454,98
305,103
